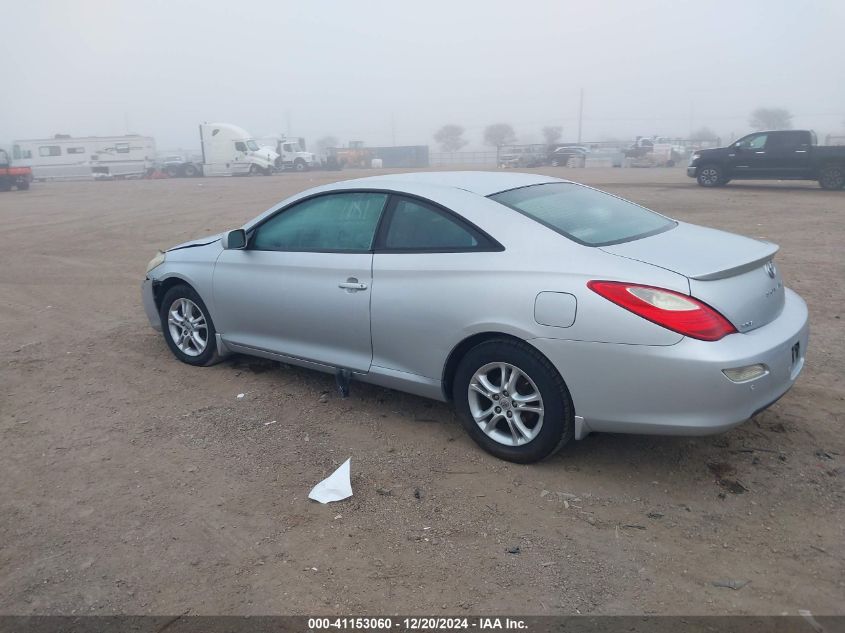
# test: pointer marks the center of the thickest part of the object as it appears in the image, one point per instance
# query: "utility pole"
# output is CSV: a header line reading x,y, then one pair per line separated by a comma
x,y
691,116
580,115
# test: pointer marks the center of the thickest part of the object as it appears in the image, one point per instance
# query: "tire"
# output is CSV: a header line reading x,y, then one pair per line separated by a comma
x,y
300,165
190,171
711,176
832,177
5,184
23,185
555,163
546,432
174,301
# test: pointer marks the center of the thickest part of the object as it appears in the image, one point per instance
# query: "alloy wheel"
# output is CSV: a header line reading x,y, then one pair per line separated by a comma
x,y
187,326
709,176
505,404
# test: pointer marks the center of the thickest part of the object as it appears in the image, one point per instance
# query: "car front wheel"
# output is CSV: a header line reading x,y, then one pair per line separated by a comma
x,y
711,176
187,326
513,402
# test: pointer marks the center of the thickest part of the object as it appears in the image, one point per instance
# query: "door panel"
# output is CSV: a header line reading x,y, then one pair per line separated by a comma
x,y
302,286
291,303
747,158
788,154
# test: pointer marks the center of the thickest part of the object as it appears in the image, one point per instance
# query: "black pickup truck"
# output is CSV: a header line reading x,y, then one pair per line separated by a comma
x,y
776,155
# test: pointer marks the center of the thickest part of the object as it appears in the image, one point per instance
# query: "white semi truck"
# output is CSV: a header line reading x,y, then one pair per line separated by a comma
x,y
228,150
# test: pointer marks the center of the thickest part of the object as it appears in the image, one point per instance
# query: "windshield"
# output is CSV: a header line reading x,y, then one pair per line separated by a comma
x,y
252,145
584,215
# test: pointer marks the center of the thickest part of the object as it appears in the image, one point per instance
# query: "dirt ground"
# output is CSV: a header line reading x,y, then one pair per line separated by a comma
x,y
131,483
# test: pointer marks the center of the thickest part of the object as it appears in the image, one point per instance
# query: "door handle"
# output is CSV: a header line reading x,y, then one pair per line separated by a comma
x,y
800,151
352,285
759,152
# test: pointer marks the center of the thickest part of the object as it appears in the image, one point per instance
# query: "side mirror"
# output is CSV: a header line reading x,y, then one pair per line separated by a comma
x,y
235,240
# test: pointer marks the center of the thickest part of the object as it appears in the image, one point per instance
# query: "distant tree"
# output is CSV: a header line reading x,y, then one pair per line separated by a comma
x,y
552,134
704,133
771,119
499,134
326,142
450,138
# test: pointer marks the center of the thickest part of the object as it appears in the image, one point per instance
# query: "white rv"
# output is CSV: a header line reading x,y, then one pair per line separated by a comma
x,y
228,150
83,158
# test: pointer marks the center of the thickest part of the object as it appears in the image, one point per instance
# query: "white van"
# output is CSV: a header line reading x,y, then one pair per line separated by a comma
x,y
228,150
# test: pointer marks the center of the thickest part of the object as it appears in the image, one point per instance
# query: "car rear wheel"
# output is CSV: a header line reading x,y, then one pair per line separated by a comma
x,y
711,176
832,177
190,171
513,402
187,326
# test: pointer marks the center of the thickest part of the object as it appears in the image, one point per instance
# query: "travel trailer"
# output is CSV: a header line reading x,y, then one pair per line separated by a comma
x,y
65,157
228,150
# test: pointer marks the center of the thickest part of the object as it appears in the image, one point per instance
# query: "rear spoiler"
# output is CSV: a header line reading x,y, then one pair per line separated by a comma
x,y
742,268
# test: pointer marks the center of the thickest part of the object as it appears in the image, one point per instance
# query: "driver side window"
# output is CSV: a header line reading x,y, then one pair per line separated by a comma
x,y
340,222
758,141
240,146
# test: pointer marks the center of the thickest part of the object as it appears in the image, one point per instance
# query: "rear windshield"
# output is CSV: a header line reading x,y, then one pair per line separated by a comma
x,y
584,215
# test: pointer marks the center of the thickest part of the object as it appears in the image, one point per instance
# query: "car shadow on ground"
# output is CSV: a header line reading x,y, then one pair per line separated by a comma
x,y
637,459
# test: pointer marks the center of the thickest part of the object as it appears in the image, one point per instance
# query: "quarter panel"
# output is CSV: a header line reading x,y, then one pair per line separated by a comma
x,y
424,304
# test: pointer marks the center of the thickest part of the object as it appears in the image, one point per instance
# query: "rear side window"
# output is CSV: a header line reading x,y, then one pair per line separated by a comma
x,y
584,215
344,222
787,140
415,225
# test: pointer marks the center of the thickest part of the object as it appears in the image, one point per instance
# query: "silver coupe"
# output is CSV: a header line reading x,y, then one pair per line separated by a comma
x,y
544,309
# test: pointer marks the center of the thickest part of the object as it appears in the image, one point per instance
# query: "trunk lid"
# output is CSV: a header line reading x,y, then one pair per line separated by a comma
x,y
735,275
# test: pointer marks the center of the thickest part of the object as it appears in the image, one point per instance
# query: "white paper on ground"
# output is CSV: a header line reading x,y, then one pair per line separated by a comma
x,y
335,487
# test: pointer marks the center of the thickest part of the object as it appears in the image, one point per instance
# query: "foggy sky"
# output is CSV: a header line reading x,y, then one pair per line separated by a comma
x,y
385,71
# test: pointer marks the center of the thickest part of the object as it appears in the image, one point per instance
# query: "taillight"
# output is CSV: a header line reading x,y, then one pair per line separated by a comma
x,y
672,310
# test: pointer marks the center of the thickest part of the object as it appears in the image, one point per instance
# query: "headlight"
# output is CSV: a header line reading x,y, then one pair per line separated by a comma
x,y
158,260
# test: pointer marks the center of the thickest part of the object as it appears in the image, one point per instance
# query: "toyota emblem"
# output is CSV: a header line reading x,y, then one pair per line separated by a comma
x,y
770,269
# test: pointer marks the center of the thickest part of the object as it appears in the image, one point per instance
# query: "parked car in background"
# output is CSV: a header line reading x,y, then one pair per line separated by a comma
x,y
13,176
180,165
542,308
567,156
511,156
772,155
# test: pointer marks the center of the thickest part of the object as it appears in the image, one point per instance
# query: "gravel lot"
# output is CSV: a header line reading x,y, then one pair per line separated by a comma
x,y
132,483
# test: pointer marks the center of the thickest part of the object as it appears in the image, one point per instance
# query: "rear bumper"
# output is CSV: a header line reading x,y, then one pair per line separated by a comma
x,y
149,303
680,389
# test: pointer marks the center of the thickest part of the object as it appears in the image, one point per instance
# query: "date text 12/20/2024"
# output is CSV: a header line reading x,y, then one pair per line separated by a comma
x,y
416,624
